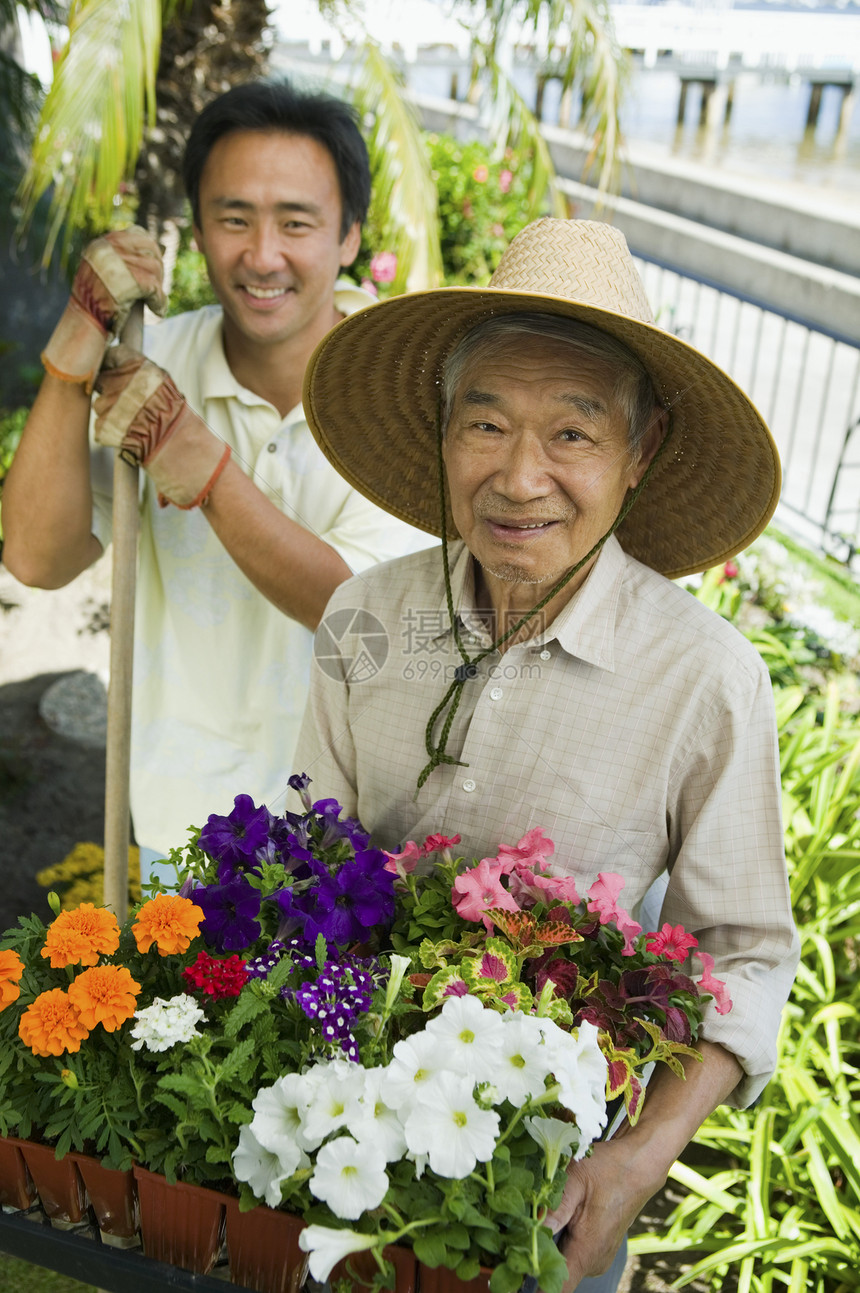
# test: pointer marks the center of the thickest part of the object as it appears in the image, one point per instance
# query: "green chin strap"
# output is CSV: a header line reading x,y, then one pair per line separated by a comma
x,y
469,668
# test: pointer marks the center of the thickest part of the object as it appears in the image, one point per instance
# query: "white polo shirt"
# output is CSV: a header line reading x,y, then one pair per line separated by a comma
x,y
221,675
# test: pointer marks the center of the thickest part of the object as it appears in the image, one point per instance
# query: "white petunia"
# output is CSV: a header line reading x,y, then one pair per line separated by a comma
x,y
579,1066
414,1062
448,1126
165,1023
469,1036
349,1177
264,1171
279,1112
523,1061
327,1247
555,1138
373,1120
337,1089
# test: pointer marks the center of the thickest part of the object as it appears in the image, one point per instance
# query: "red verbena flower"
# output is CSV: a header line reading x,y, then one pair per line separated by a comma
x,y
215,977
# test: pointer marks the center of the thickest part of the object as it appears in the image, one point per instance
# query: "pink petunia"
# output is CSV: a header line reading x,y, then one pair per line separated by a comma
x,y
673,942
716,987
505,180
439,843
631,929
603,896
369,286
480,889
530,883
383,267
530,851
406,861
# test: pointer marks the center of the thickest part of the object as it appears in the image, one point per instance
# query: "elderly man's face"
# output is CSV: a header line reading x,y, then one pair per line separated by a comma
x,y
537,458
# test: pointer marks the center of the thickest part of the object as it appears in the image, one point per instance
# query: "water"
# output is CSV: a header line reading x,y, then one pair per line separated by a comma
x,y
765,137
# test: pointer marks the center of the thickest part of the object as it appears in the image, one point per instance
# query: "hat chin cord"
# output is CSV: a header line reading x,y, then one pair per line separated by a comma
x,y
469,668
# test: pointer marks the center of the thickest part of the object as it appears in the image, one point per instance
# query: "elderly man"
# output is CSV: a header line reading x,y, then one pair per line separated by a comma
x,y
541,670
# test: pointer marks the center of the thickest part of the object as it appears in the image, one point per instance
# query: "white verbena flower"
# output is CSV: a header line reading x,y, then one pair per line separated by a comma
x,y
375,1121
327,1247
165,1023
449,1127
469,1036
264,1171
349,1177
415,1060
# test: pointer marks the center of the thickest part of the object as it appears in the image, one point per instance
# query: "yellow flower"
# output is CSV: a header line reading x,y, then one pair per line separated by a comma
x,y
105,994
52,1025
168,921
81,936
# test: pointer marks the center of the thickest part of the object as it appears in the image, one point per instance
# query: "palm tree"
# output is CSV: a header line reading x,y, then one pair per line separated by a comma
x,y
133,75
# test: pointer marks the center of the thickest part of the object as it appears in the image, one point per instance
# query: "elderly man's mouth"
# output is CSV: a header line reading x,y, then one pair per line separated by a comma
x,y
519,531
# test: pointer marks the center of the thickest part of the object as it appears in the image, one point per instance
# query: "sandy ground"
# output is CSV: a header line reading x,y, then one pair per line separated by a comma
x,y
51,786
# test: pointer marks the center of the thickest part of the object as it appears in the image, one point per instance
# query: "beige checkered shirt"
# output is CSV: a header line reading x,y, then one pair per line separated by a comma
x,y
637,729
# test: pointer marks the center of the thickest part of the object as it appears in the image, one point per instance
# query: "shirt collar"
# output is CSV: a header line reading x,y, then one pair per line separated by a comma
x,y
217,379
585,628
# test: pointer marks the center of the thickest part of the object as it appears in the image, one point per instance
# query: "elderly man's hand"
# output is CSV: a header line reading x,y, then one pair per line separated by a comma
x,y
603,1196
115,271
141,413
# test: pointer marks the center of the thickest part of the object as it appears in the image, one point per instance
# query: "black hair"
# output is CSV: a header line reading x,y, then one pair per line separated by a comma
x,y
277,105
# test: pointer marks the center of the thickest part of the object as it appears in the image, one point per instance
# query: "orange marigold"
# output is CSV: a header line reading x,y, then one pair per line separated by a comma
x,y
81,936
168,921
104,994
11,969
52,1024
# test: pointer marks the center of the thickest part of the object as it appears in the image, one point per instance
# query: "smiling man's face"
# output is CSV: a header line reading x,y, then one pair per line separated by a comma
x,y
270,214
537,459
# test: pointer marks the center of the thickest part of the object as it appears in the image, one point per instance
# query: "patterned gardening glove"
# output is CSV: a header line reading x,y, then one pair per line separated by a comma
x,y
115,271
140,412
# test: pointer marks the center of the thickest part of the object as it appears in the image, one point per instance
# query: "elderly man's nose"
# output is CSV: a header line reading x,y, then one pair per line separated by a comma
x,y
523,474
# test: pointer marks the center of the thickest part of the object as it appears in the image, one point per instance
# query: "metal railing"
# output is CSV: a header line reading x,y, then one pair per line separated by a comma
x,y
803,379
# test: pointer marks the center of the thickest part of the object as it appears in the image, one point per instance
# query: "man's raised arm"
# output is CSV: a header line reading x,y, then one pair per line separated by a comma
x,y
47,497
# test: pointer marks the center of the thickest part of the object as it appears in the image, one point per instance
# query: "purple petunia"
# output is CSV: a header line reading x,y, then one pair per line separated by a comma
x,y
231,910
233,841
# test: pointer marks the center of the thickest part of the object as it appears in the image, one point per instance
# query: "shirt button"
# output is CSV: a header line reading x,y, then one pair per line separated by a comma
x,y
469,785
271,447
546,655
495,693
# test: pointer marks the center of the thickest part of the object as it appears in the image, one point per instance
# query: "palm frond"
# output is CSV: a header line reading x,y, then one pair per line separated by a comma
x,y
512,124
578,40
92,122
404,195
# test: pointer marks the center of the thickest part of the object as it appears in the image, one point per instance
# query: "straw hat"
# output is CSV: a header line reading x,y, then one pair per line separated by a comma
x,y
372,388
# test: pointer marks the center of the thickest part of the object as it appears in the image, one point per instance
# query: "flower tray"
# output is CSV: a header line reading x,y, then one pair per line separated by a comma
x,y
17,1189
438,1279
60,1186
113,1197
263,1249
180,1224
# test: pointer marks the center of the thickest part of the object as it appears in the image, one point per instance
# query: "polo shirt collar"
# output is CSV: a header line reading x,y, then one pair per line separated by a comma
x,y
585,628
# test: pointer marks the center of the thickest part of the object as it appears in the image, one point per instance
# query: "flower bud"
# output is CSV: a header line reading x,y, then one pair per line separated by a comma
x,y
54,902
69,1079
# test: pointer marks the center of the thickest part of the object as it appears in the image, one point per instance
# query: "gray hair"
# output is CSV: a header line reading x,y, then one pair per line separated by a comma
x,y
633,391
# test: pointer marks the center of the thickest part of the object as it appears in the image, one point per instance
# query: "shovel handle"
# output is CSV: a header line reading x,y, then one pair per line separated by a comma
x,y
123,578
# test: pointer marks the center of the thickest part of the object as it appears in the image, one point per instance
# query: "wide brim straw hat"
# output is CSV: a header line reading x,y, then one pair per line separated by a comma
x,y
372,389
